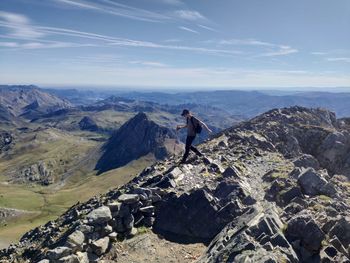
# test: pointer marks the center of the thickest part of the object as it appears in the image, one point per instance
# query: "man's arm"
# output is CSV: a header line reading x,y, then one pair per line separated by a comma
x,y
178,127
205,126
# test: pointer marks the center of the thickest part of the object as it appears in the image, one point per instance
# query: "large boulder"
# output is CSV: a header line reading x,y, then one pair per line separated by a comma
x,y
100,215
311,182
100,246
306,161
191,216
304,229
334,151
341,229
58,252
76,240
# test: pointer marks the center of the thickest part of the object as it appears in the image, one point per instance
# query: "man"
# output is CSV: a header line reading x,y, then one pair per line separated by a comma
x,y
192,124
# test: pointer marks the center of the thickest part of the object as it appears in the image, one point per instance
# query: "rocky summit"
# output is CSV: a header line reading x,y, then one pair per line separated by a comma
x,y
272,189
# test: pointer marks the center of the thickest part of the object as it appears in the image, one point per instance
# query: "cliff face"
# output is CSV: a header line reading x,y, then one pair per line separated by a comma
x,y
136,138
260,194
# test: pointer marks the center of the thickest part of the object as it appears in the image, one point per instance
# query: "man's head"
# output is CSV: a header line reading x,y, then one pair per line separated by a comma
x,y
185,113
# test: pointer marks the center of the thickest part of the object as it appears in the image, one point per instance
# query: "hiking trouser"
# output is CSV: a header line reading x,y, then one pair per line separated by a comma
x,y
189,147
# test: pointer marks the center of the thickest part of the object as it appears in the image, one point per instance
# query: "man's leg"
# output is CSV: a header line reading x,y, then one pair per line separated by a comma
x,y
194,149
189,141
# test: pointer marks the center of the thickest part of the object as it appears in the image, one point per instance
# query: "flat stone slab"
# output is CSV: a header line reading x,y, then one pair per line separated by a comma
x,y
129,198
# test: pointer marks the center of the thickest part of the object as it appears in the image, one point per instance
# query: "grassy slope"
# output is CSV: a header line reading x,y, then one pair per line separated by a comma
x,y
67,153
48,204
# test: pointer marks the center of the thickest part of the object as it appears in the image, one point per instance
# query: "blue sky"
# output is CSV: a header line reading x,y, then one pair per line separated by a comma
x,y
176,43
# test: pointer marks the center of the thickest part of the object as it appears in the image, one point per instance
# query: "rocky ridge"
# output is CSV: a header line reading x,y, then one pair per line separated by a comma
x,y
261,194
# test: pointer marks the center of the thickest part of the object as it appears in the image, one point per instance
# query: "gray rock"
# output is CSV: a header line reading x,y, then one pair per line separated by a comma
x,y
311,182
113,236
86,229
82,257
69,259
128,221
129,198
148,221
147,209
341,230
231,172
99,247
100,215
58,252
114,206
76,240
306,160
305,229
290,194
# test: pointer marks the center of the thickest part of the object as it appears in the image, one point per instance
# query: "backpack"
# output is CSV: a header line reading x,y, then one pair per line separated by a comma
x,y
198,127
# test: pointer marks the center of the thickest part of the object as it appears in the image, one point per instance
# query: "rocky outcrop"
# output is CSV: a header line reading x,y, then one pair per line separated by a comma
x,y
136,138
245,200
36,173
40,173
6,140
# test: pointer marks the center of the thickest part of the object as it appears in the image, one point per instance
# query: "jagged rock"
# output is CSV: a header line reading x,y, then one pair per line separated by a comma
x,y
76,240
128,198
188,215
128,221
231,172
58,252
311,182
100,246
341,229
99,215
113,236
69,259
147,210
247,238
338,245
86,229
306,161
82,257
38,172
333,151
305,229
290,194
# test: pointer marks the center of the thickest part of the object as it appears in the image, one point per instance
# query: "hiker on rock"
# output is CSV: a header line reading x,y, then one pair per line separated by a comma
x,y
193,126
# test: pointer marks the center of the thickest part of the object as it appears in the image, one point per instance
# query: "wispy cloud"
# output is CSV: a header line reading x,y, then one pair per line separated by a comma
x,y
249,42
149,63
107,40
188,29
117,9
41,45
172,40
208,28
189,15
171,2
267,49
341,59
282,51
316,53
19,25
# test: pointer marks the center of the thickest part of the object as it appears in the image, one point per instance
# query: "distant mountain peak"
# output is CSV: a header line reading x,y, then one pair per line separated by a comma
x,y
138,137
